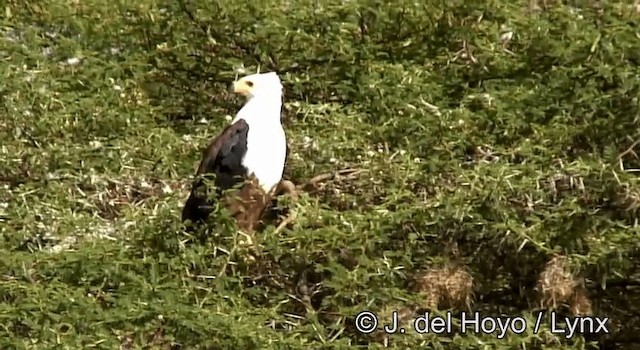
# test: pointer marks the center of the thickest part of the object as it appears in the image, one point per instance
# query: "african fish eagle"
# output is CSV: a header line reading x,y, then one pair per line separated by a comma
x,y
253,150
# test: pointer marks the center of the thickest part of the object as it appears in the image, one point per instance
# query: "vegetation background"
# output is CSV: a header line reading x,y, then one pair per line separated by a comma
x,y
493,148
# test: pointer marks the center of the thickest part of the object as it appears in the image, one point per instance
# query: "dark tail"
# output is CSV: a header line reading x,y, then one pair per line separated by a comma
x,y
196,209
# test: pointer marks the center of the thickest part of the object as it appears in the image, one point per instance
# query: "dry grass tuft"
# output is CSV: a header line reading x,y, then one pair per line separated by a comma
x,y
446,287
580,304
556,283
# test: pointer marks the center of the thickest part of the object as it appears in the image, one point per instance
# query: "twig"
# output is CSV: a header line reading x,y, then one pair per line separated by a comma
x,y
288,220
630,150
329,176
193,18
32,139
286,186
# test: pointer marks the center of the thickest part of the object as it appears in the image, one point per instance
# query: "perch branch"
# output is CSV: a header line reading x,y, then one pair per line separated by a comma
x,y
288,187
630,150
350,173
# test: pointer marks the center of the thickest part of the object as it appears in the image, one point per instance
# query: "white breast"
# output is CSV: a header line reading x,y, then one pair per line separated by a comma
x,y
266,154
266,141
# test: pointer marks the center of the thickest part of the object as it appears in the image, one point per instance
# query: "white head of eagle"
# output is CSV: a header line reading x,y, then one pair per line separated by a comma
x,y
254,145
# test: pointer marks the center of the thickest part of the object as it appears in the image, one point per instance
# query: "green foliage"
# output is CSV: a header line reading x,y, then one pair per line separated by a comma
x,y
506,128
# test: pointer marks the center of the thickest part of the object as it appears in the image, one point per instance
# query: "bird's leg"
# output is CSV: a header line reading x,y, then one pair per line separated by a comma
x,y
287,187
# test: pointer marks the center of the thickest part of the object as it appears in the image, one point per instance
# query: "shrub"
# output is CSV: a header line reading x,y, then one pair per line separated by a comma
x,y
495,142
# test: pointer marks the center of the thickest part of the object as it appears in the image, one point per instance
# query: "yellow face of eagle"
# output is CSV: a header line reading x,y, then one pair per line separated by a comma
x,y
255,84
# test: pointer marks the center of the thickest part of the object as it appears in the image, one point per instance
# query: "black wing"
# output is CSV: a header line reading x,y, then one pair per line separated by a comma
x,y
223,157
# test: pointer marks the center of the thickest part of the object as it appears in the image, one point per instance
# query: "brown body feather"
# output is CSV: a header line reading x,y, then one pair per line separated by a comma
x,y
247,205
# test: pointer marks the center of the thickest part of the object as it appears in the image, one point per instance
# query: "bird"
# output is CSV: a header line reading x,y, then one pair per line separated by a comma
x,y
248,155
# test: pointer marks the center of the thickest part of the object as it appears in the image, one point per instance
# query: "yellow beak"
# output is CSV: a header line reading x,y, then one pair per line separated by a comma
x,y
240,87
